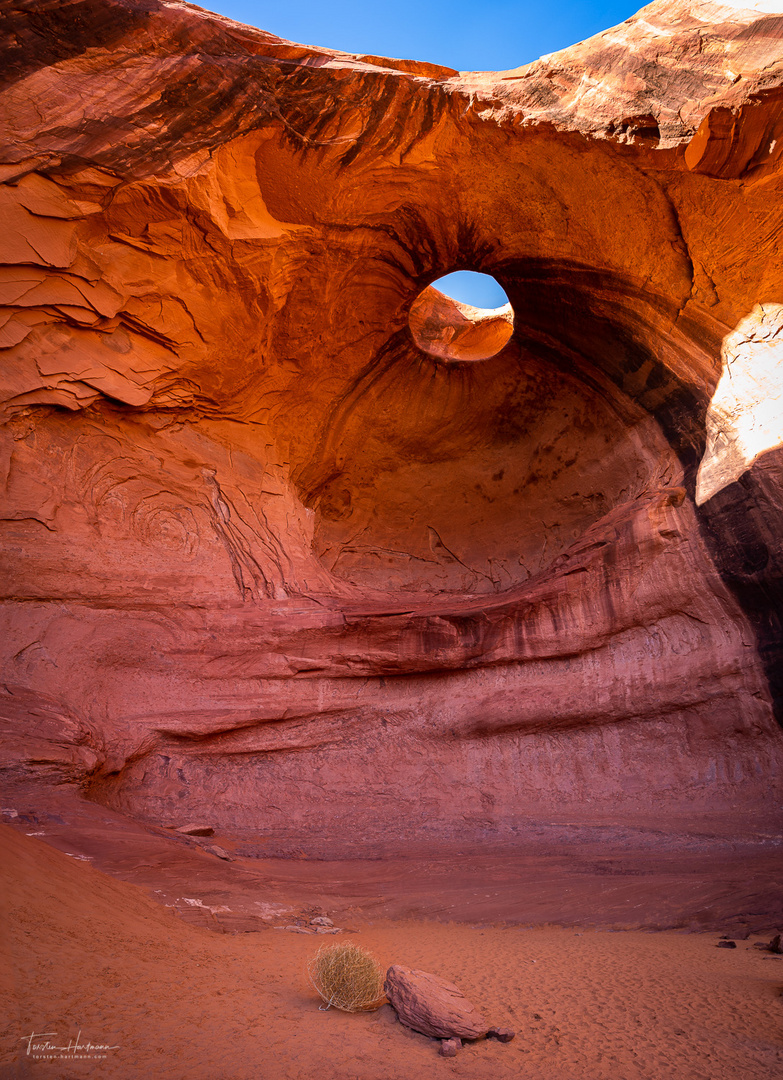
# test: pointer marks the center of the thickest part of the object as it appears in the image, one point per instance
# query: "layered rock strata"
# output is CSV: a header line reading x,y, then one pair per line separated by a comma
x,y
270,563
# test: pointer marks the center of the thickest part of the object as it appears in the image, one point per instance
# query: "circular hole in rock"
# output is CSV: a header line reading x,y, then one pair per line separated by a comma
x,y
464,316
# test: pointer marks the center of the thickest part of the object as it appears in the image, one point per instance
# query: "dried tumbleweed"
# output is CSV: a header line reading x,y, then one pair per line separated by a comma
x,y
347,977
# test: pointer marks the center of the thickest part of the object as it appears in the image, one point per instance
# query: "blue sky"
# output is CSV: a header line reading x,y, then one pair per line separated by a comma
x,y
480,35
480,290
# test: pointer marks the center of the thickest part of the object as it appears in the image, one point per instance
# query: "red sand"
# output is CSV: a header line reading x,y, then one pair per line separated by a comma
x,y
86,953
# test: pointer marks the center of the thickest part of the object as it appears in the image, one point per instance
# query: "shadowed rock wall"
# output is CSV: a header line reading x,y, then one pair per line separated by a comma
x,y
269,562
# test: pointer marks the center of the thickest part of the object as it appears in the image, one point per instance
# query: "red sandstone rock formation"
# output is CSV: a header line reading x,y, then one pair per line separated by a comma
x,y
432,1005
269,563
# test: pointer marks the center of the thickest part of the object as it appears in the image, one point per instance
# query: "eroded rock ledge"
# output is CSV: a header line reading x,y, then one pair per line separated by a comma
x,y
269,560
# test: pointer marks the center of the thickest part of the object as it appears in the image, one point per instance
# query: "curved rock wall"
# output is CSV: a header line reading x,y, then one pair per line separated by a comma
x,y
267,560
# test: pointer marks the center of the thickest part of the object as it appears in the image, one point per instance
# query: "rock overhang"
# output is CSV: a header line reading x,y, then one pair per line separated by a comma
x,y
266,494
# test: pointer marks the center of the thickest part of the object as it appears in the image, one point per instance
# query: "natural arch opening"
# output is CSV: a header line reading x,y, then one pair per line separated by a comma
x,y
450,319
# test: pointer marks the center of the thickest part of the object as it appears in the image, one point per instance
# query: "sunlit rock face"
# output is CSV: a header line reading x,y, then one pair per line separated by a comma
x,y
745,417
284,550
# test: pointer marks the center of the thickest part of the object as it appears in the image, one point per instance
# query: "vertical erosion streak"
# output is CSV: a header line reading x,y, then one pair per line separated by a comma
x,y
247,548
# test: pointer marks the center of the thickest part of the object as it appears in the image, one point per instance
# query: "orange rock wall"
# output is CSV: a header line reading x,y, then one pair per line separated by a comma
x,y
268,561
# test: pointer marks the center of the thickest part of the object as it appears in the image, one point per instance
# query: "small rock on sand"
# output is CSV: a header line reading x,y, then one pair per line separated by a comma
x,y
449,1047
503,1035
215,849
773,946
195,830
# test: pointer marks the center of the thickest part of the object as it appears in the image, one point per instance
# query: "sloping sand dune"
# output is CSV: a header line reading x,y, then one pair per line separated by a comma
x,y
84,953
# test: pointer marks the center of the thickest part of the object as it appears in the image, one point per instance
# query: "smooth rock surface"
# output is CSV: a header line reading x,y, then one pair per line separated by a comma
x,y
254,534
433,1006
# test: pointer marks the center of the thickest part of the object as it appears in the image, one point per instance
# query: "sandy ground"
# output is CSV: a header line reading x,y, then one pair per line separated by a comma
x,y
84,953
713,875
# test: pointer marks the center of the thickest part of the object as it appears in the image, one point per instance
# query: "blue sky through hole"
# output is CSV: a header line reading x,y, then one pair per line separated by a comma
x,y
489,36
469,287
